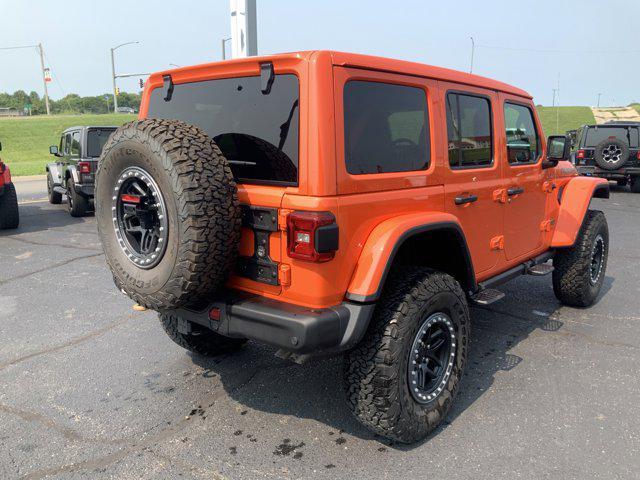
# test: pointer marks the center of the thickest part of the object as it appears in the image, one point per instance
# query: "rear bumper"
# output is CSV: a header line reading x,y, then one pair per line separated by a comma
x,y
87,190
283,325
594,171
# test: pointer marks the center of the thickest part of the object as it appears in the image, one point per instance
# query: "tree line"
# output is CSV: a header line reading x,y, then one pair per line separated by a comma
x,y
33,104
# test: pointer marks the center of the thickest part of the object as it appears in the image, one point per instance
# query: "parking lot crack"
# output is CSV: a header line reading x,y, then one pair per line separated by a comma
x,y
49,267
60,245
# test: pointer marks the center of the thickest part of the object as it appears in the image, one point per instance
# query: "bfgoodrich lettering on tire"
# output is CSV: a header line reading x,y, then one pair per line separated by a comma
x,y
579,270
402,378
167,212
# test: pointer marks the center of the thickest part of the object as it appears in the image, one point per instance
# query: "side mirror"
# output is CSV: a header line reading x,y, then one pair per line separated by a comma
x,y
558,148
53,150
0,146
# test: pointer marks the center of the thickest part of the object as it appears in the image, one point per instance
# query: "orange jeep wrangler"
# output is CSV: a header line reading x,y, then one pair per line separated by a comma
x,y
326,202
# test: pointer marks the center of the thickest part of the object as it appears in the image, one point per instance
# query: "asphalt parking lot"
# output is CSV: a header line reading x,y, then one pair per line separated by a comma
x,y
89,387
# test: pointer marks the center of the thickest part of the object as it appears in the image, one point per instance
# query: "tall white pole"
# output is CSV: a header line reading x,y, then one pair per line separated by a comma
x,y
44,78
473,47
244,31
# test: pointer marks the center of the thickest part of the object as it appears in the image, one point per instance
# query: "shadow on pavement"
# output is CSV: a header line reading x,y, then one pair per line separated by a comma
x,y
43,216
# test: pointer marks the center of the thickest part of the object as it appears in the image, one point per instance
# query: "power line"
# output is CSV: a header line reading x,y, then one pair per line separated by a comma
x,y
18,47
536,50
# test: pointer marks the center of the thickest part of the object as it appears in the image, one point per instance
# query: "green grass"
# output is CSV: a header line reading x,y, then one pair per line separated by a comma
x,y
569,118
636,106
26,140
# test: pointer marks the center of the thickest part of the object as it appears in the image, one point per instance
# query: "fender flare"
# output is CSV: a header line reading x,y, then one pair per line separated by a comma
x,y
383,244
54,169
574,202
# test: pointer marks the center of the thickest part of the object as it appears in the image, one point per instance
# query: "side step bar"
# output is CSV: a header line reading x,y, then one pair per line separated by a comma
x,y
486,294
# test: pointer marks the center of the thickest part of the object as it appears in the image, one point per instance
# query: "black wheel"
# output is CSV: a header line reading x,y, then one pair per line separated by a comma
x,y
579,270
622,182
403,376
9,214
76,204
201,340
55,198
167,212
611,153
635,184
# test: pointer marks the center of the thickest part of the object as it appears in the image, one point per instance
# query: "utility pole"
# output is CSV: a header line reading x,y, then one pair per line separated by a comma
x,y
44,78
473,47
558,107
224,53
244,31
599,95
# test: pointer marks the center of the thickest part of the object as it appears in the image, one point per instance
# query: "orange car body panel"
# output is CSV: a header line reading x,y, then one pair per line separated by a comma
x,y
576,197
374,210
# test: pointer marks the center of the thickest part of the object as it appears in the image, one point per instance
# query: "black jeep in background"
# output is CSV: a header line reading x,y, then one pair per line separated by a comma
x,y
73,172
610,151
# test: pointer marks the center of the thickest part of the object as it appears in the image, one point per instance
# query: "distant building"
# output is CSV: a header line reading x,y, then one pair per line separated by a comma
x,y
11,112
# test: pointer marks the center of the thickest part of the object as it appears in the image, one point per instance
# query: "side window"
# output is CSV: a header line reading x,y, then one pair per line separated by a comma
x,y
469,131
67,143
62,144
386,128
523,144
75,144
634,137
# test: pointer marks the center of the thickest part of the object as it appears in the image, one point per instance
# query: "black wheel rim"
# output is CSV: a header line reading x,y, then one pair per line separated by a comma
x,y
432,358
597,260
139,217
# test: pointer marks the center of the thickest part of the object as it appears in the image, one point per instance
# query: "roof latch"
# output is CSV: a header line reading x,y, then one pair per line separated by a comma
x,y
267,76
168,87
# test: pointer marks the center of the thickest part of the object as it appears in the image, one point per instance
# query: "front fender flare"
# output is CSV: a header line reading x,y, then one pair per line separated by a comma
x,y
575,200
383,243
56,173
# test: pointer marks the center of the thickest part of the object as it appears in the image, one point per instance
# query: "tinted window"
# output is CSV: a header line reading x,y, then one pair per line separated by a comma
x,y
385,128
257,133
634,137
469,131
522,139
96,138
595,135
75,144
67,143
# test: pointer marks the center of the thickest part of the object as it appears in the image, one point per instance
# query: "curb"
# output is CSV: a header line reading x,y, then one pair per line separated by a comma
x,y
27,178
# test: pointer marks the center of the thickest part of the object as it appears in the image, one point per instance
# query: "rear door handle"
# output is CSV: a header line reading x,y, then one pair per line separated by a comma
x,y
515,191
467,199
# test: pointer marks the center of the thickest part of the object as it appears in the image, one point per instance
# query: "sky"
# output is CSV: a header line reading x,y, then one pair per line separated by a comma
x,y
589,46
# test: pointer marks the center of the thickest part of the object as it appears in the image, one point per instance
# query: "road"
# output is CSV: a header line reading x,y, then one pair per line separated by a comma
x,y
89,387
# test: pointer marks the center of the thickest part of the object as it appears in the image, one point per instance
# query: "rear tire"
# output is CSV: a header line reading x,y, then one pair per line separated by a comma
x,y
55,198
611,153
622,182
579,271
635,184
202,340
9,213
77,204
189,207
380,373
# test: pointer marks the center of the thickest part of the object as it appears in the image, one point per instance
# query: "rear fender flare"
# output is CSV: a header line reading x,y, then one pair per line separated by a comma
x,y
385,240
574,203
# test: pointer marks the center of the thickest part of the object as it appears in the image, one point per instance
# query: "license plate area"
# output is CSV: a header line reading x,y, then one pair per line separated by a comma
x,y
259,267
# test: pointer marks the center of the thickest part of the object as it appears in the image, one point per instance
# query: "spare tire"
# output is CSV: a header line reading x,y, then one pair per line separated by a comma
x,y
611,153
167,212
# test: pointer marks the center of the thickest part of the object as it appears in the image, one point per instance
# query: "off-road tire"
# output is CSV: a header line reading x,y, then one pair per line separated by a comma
x,y
77,204
635,184
9,214
599,155
572,282
202,210
202,340
55,198
376,370
622,182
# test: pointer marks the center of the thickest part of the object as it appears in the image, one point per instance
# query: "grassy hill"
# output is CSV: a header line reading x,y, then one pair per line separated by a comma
x,y
569,118
26,140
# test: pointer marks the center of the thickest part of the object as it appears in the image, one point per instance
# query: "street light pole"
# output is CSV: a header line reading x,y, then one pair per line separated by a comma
x,y
224,53
599,95
114,76
44,78
473,47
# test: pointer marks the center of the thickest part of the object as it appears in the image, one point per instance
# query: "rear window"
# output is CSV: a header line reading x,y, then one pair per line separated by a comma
x,y
96,138
385,128
257,133
469,131
595,135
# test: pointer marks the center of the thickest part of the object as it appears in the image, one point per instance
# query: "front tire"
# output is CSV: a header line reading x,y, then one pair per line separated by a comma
x,y
9,214
635,184
398,384
201,340
579,271
55,198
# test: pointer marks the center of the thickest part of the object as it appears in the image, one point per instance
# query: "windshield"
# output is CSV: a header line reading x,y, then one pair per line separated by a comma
x,y
257,133
96,138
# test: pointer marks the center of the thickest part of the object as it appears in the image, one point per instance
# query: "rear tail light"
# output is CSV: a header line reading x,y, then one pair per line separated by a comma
x,y
638,155
580,154
85,167
312,236
2,167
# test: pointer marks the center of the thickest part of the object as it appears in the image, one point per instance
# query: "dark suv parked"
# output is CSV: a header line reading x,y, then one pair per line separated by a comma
x,y
73,172
610,151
